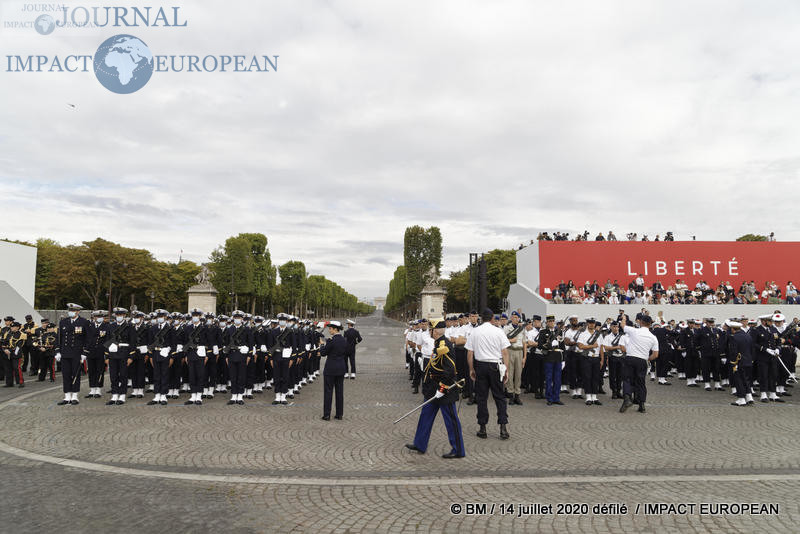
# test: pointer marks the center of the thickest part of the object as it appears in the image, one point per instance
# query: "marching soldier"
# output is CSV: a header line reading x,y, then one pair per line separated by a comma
x,y
710,354
117,347
590,350
614,347
516,356
787,354
73,332
336,350
238,341
740,354
162,344
353,338
767,343
281,358
194,340
140,338
261,340
95,354
439,383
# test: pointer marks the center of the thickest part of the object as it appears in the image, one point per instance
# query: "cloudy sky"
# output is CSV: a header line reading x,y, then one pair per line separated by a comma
x,y
492,120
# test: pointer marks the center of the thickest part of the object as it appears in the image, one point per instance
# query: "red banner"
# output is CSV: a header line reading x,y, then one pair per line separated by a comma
x,y
666,261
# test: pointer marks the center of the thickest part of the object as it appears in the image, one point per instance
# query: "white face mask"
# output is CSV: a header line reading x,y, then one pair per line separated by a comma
x,y
71,314
282,323
223,324
120,318
98,320
160,320
195,319
237,322
136,320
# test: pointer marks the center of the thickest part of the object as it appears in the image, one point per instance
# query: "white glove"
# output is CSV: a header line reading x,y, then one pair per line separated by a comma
x,y
774,352
563,364
58,356
113,347
164,352
243,349
438,395
502,368
419,361
83,358
142,349
263,348
554,344
724,360
215,349
179,348
201,351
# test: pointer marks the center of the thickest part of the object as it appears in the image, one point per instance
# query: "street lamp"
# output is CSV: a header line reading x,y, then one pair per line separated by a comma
x,y
152,300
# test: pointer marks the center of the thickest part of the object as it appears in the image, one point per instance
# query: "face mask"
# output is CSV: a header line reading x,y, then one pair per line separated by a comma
x,y
136,320
98,320
237,322
223,324
282,323
160,320
71,314
120,318
195,319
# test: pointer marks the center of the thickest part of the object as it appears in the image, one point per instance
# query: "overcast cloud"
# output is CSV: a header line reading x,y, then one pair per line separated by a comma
x,y
492,120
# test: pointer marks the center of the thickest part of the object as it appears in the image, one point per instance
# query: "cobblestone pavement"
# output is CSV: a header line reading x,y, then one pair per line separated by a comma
x,y
260,468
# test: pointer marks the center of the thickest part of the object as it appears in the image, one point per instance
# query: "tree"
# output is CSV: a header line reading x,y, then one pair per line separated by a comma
x,y
752,237
457,287
293,283
422,250
501,272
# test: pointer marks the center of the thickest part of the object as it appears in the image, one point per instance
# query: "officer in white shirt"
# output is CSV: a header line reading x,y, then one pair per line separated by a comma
x,y
459,336
571,373
641,349
487,357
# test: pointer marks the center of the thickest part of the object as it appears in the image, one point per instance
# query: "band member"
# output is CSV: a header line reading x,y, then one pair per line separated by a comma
x,y
571,369
614,349
515,332
336,350
439,383
73,331
590,348
533,370
14,353
767,343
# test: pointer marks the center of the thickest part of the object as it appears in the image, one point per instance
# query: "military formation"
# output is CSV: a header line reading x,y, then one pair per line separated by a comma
x,y
170,354
753,359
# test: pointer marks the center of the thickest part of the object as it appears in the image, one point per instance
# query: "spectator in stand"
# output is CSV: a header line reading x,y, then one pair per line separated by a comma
x,y
791,293
639,283
600,237
611,236
771,236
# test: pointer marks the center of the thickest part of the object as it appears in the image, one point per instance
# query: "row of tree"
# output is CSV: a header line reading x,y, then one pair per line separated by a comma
x,y
501,272
101,274
422,255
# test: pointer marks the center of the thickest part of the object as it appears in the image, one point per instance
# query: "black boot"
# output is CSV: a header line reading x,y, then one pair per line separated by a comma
x,y
517,400
482,432
415,390
626,403
504,433
471,401
641,407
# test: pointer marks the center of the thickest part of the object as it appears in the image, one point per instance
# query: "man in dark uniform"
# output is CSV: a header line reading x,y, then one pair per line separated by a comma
x,y
46,339
613,346
664,359
140,338
4,333
95,353
29,355
336,350
238,340
194,339
710,354
162,344
740,354
261,341
73,332
439,384
281,357
551,343
353,338
767,349
117,347
15,343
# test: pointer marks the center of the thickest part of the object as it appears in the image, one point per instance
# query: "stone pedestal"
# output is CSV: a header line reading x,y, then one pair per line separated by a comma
x,y
432,302
204,297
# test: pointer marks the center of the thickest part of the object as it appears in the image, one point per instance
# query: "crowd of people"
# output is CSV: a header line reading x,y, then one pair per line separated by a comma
x,y
610,236
638,291
171,354
574,356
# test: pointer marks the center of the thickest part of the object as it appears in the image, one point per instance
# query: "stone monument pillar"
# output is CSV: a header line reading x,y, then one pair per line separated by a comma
x,y
432,297
203,295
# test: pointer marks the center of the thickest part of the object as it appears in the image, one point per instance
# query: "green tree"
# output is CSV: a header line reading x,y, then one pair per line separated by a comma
x,y
501,272
457,287
752,237
293,282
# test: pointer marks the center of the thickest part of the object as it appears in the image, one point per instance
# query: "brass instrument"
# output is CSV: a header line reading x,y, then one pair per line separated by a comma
x,y
736,362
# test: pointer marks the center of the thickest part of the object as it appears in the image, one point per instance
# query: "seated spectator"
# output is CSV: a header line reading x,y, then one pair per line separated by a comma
x,y
791,293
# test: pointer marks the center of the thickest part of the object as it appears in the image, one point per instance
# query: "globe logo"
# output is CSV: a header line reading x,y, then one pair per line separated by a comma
x,y
123,64
44,24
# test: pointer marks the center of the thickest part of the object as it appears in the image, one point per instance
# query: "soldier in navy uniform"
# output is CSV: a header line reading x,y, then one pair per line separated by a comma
x,y
260,341
117,347
439,383
739,350
336,351
767,349
195,343
95,353
45,345
353,338
162,344
281,357
73,332
238,341
140,338
710,354
4,333
14,352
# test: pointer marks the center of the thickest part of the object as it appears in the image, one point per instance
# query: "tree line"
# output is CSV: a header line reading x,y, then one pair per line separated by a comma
x,y
422,251
102,274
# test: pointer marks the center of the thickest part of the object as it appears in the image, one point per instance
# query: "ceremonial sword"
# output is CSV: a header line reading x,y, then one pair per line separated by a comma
x,y
459,383
791,375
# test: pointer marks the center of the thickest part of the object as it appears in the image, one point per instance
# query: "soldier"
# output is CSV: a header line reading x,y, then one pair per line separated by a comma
x,y
261,335
710,354
222,362
194,339
516,356
740,354
140,338
423,346
590,347
45,344
614,348
640,350
767,349
664,353
281,358
162,344
14,352
439,383
214,339
337,351
238,341
73,332
176,363
4,332
353,338
533,371
29,355
571,375
117,345
95,353
787,354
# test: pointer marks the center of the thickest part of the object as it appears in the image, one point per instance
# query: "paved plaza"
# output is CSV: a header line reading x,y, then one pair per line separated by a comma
x,y
264,468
